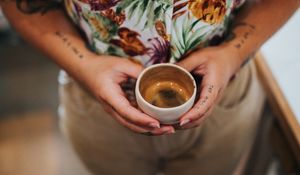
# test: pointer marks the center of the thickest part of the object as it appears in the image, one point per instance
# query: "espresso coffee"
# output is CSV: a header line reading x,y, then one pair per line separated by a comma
x,y
166,87
165,94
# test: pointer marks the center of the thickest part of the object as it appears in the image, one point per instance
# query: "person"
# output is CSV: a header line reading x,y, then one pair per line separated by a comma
x,y
213,39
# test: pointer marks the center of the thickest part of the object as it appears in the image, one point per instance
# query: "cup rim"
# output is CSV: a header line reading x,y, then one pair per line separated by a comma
x,y
159,65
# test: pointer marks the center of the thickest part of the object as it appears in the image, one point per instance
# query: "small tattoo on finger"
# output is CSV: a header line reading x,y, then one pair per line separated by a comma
x,y
210,88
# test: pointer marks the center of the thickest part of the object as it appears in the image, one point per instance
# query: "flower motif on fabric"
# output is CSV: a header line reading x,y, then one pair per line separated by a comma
x,y
209,11
160,51
161,30
151,31
113,16
129,42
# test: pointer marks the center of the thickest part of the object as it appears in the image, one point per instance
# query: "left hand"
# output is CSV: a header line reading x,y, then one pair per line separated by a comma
x,y
216,66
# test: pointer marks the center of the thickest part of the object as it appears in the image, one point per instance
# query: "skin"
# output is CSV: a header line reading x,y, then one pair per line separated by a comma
x,y
254,26
101,75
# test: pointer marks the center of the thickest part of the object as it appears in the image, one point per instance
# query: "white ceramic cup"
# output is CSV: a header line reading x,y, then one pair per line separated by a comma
x,y
165,71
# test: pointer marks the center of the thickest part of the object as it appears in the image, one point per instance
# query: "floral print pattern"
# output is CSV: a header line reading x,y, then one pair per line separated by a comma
x,y
151,31
210,11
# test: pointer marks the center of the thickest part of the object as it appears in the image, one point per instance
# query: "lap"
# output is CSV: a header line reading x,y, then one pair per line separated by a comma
x,y
227,133
105,147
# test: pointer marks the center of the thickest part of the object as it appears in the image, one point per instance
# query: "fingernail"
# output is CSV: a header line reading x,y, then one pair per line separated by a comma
x,y
169,131
185,121
172,131
154,125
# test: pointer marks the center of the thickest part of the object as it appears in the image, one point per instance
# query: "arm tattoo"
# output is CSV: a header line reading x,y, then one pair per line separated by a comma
x,y
245,36
66,41
249,31
34,6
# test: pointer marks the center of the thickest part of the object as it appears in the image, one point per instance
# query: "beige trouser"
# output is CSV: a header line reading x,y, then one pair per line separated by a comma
x,y
107,148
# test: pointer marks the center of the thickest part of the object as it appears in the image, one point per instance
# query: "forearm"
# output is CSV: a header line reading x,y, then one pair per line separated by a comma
x,y
100,75
53,34
257,22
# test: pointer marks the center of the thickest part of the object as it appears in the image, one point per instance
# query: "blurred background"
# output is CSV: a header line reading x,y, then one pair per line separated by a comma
x,y
30,141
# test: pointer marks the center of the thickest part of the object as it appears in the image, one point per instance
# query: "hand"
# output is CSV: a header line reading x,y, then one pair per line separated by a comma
x,y
103,76
216,65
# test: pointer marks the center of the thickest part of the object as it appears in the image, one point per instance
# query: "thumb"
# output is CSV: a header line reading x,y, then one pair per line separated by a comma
x,y
188,63
132,69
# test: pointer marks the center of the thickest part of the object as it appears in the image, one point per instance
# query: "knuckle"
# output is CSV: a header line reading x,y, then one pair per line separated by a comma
x,y
123,112
138,120
101,95
195,117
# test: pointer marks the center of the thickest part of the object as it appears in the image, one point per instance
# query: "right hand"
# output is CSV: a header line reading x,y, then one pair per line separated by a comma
x,y
103,76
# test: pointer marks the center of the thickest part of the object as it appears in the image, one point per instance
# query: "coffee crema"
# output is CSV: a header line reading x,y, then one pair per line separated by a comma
x,y
166,87
166,94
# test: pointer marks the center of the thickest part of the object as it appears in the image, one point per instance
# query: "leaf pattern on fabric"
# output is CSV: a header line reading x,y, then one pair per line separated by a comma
x,y
149,31
153,10
102,27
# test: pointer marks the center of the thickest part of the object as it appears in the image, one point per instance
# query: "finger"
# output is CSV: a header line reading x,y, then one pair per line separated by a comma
x,y
139,129
135,128
127,124
123,121
160,131
115,98
163,130
190,63
199,121
220,95
208,96
131,69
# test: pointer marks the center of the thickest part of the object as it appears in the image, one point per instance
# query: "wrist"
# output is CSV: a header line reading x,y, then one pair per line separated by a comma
x,y
236,58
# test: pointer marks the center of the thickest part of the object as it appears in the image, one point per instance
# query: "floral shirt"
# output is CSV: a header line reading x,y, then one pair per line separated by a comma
x,y
151,31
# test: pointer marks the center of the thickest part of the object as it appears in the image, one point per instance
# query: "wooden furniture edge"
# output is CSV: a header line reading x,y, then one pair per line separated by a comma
x,y
279,104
